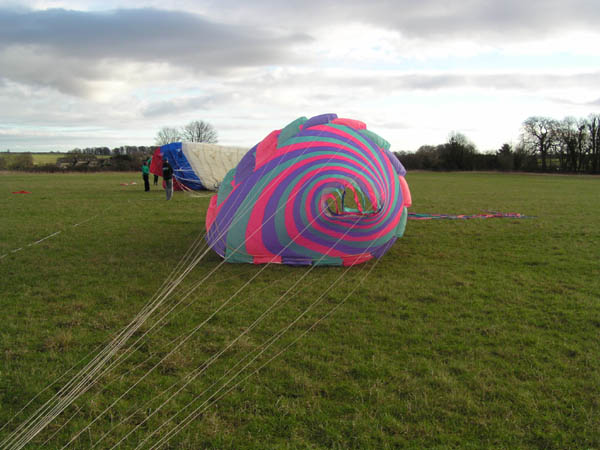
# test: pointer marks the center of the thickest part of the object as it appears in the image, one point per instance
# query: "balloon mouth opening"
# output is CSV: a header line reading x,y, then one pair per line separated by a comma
x,y
349,201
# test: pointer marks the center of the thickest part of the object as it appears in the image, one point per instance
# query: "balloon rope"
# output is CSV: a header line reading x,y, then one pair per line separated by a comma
x,y
210,273
190,334
215,357
84,379
101,360
205,405
40,418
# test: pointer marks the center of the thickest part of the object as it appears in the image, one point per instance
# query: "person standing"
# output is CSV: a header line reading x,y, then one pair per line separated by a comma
x,y
150,166
146,176
168,177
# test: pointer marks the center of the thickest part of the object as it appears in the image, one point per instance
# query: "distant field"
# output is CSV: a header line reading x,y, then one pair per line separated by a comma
x,y
38,158
42,158
45,158
467,334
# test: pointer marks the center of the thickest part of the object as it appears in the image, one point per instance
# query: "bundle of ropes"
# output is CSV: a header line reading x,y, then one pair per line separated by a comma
x,y
172,298
169,300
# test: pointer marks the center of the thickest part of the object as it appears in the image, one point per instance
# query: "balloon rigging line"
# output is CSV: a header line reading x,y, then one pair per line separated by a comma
x,y
41,410
215,357
100,361
155,354
16,250
190,334
177,337
189,252
199,411
103,363
62,426
218,309
49,386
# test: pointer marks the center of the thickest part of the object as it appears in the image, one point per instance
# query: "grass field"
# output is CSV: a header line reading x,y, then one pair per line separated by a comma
x,y
467,334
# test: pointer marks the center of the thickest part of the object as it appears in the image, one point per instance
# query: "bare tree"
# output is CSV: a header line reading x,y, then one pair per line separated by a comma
x,y
200,131
539,132
582,144
166,135
593,124
566,143
572,143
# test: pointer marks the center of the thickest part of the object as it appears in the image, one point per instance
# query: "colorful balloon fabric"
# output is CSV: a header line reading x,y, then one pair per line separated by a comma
x,y
323,191
197,165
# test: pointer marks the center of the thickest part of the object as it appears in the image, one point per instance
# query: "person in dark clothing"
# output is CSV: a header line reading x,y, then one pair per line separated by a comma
x,y
155,176
168,177
146,175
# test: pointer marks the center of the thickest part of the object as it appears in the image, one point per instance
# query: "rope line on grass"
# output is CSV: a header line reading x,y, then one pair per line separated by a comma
x,y
48,387
218,309
84,379
16,250
261,349
265,313
205,405
46,409
172,341
197,328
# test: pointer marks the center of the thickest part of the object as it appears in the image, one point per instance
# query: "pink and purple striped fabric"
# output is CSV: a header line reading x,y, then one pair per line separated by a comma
x,y
323,191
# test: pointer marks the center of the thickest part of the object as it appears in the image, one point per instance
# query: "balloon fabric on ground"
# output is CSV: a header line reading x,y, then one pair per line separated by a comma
x,y
488,215
323,191
197,165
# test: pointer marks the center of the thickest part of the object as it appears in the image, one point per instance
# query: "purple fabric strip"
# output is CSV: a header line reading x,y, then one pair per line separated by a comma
x,y
319,120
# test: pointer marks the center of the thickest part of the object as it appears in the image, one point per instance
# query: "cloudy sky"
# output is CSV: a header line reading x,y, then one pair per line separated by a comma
x,y
111,73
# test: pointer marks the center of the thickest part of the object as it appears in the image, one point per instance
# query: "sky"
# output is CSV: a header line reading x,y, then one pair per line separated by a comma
x,y
111,73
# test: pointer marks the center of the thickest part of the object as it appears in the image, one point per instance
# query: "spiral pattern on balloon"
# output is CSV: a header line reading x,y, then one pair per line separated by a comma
x,y
323,191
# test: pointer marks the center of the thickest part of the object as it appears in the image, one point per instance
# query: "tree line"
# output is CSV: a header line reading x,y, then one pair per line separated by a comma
x,y
570,145
195,131
123,158
130,150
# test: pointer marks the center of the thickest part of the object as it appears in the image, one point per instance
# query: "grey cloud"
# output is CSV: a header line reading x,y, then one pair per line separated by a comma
x,y
357,82
82,40
313,87
512,81
442,19
186,104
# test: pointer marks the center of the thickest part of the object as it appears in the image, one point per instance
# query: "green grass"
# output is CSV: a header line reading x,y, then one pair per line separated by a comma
x,y
467,334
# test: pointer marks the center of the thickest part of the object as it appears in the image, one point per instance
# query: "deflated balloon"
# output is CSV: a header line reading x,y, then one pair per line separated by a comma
x,y
323,191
